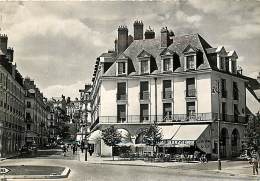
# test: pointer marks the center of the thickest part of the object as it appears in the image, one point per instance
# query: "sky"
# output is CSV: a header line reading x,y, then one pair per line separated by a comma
x,y
56,43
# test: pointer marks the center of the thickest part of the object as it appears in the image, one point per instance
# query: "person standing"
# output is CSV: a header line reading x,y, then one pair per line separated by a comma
x,y
64,148
74,149
82,147
254,161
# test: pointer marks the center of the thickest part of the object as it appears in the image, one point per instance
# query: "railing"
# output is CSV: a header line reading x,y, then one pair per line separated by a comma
x,y
190,92
167,94
121,97
197,117
145,95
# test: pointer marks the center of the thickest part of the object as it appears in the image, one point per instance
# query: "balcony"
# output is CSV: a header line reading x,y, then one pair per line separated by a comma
x,y
190,93
231,118
167,95
121,97
144,96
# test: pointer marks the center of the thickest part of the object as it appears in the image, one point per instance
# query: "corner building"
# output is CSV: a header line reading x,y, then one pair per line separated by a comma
x,y
12,127
180,82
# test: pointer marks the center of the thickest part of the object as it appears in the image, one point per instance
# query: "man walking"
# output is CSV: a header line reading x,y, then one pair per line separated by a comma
x,y
254,161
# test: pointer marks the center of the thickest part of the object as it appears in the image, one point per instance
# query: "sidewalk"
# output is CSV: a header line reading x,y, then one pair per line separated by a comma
x,y
231,168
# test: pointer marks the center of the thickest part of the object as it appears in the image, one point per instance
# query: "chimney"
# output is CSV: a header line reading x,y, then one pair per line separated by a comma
x,y
258,78
130,39
149,34
10,54
122,39
116,47
3,43
165,38
138,30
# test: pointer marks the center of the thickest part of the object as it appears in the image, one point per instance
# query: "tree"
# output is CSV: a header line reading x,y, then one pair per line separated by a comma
x,y
111,137
152,135
252,132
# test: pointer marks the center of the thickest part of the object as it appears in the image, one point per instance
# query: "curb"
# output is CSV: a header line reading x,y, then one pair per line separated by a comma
x,y
207,172
64,174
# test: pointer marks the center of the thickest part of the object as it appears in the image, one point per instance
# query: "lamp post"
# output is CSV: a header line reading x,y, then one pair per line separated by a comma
x,y
218,91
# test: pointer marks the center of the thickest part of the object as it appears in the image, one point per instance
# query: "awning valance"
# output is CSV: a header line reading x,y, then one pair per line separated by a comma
x,y
181,135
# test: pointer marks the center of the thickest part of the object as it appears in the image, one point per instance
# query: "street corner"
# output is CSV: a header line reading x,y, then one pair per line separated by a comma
x,y
34,172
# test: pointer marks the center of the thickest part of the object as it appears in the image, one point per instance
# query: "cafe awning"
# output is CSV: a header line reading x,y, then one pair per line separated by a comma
x,y
95,136
188,134
168,131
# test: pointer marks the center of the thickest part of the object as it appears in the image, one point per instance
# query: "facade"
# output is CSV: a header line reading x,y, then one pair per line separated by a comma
x,y
35,115
12,126
180,82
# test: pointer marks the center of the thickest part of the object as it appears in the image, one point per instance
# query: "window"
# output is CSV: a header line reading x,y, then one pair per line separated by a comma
x,y
121,68
222,63
233,66
121,91
28,127
28,103
224,110
144,90
190,109
235,91
223,88
121,113
236,113
144,113
167,89
190,62
167,111
144,67
166,64
190,87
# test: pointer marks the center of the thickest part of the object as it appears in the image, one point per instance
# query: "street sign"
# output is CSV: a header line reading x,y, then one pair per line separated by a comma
x,y
4,170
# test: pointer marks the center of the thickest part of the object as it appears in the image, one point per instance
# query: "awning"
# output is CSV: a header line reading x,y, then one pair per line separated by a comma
x,y
95,136
168,131
188,134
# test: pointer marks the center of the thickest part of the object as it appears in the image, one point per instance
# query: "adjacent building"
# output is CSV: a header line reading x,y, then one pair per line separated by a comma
x,y
35,115
12,99
179,81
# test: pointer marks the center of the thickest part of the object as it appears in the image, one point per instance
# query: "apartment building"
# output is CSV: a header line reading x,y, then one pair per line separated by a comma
x,y
35,115
12,125
179,81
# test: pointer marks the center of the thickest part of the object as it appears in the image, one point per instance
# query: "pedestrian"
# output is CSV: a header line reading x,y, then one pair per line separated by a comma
x,y
64,148
74,149
254,161
90,151
82,146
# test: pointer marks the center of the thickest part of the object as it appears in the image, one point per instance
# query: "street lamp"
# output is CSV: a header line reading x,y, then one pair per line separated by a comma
x,y
218,91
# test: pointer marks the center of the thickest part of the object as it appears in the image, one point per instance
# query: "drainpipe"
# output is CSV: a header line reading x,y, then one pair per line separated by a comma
x,y
155,92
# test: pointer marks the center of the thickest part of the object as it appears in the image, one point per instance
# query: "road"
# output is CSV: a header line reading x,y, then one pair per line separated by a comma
x,y
82,171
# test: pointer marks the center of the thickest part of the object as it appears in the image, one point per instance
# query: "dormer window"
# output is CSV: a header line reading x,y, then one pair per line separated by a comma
x,y
144,66
122,62
222,63
144,59
121,68
167,65
190,62
190,58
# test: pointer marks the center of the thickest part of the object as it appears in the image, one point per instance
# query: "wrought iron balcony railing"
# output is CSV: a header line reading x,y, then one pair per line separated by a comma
x,y
167,94
145,95
190,92
121,97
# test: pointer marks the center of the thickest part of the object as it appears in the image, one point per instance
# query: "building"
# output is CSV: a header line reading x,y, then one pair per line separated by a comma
x,y
35,115
12,126
179,81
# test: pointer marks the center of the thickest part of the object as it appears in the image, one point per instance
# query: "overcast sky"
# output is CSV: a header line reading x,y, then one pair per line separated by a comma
x,y
56,43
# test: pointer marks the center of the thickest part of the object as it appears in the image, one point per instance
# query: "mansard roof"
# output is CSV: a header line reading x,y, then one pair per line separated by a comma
x,y
153,47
